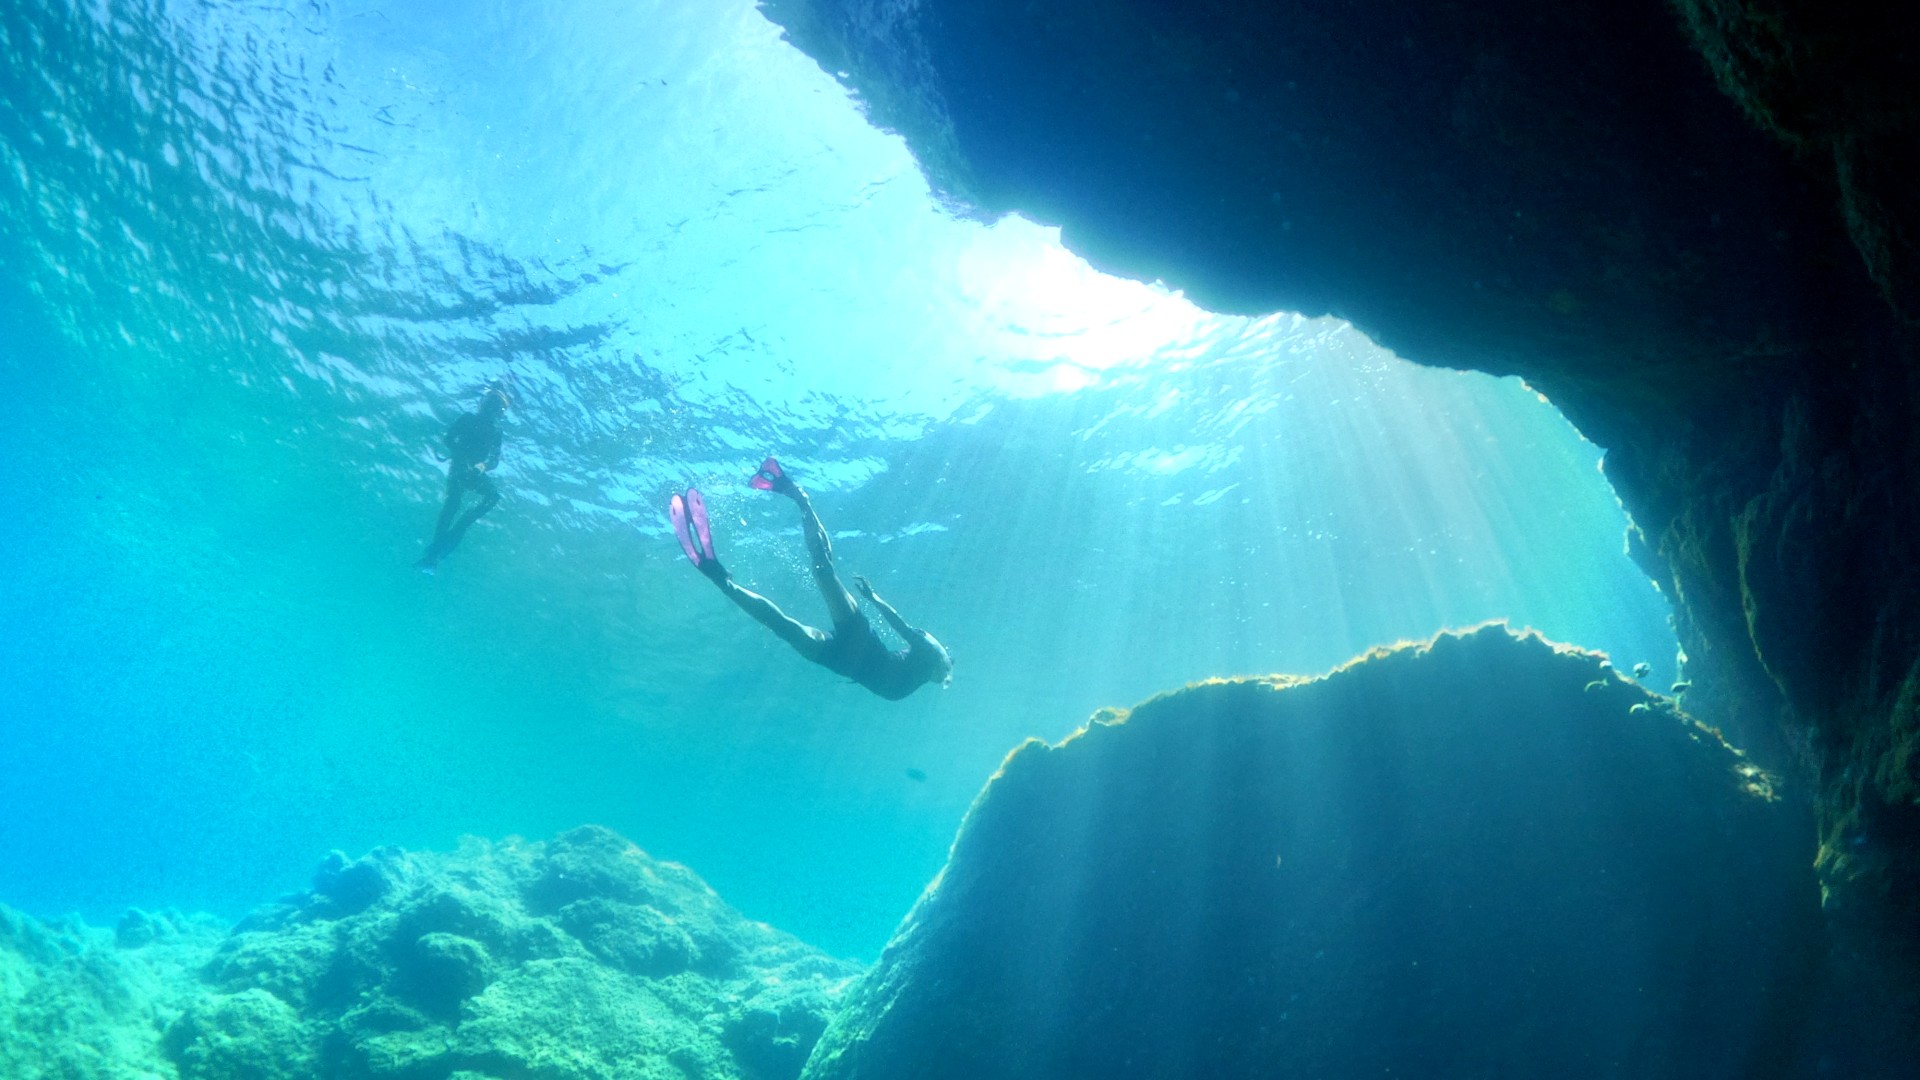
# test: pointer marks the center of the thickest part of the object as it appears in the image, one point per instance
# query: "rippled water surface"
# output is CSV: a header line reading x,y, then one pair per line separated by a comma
x,y
255,257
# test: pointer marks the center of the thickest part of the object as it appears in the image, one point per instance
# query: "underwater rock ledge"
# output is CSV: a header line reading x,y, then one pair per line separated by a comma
x,y
1481,856
580,957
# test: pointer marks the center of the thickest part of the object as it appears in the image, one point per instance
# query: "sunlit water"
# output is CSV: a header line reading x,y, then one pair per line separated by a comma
x,y
255,257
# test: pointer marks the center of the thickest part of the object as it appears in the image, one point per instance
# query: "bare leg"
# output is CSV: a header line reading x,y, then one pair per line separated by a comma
x,y
805,639
841,605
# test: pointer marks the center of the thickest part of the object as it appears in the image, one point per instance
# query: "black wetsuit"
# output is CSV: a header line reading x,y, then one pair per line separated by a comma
x,y
851,648
472,441
855,650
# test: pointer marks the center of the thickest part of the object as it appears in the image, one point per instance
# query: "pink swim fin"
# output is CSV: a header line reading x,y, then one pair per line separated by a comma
x,y
677,511
768,476
697,509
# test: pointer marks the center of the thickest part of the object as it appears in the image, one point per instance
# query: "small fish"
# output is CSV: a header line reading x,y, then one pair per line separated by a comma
x,y
1597,684
1681,688
916,774
1641,709
1642,670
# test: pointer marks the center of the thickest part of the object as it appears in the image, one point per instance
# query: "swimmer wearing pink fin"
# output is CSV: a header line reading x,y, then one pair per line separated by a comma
x,y
851,648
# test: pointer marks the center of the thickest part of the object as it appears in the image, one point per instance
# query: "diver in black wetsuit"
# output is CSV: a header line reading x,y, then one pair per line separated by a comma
x,y
473,450
851,648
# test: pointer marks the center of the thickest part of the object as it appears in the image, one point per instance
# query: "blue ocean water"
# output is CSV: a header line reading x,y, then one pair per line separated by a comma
x,y
254,257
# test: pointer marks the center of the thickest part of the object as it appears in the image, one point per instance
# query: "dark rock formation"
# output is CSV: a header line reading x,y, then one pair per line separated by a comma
x,y
1833,81
1479,857
579,957
1717,287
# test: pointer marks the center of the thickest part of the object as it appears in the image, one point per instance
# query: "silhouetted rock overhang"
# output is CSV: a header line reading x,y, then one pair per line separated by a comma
x,y
1690,225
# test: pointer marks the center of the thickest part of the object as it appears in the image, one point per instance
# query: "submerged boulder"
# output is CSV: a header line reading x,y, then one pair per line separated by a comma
x,y
578,957
1482,856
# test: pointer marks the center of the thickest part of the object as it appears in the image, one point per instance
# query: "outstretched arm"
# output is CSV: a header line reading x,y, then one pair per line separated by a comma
x,y
893,618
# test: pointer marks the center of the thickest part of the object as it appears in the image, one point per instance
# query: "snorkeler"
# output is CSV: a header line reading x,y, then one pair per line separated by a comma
x,y
473,450
851,648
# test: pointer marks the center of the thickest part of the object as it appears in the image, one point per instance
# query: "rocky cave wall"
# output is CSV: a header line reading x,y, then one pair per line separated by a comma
x,y
1691,225
1484,856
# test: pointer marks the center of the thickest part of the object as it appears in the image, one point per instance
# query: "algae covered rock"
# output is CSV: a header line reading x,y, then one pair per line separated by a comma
x,y
251,1035
580,957
79,1003
1484,856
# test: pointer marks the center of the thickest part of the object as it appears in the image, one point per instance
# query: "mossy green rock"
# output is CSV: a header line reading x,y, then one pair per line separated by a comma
x,y
580,957
242,1036
79,1003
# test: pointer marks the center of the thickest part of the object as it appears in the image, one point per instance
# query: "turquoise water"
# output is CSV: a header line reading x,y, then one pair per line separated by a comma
x,y
255,257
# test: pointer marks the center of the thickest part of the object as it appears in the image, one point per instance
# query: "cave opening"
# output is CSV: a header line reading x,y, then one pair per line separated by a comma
x,y
1092,489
